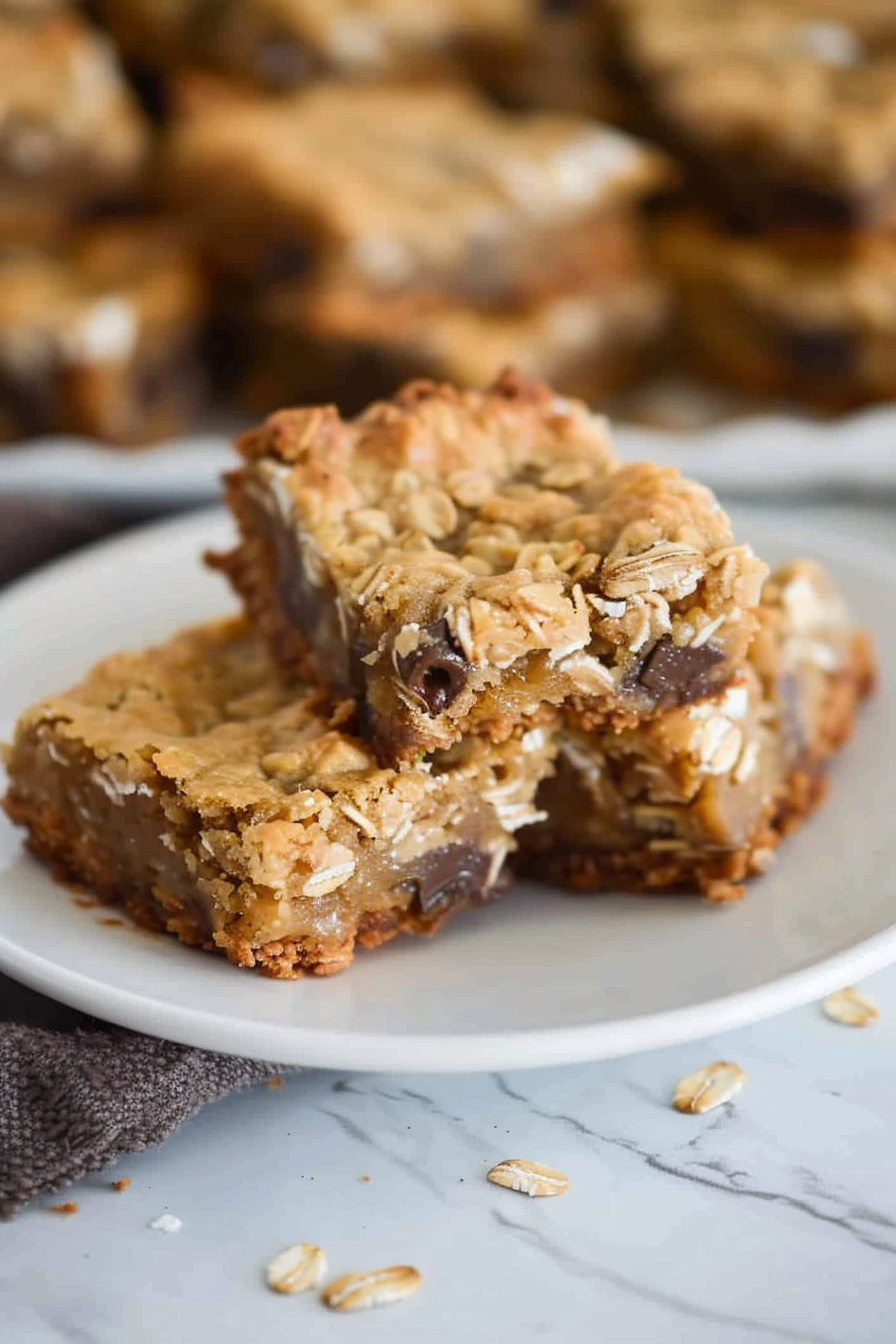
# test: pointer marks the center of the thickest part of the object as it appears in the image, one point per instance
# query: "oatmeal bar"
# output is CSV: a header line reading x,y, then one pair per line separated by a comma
x,y
203,789
340,341
700,797
460,560
786,120
768,320
71,134
391,187
280,44
101,336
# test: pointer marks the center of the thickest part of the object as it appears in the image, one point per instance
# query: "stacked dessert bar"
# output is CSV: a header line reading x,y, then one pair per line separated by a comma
x,y
99,319
372,232
472,631
784,118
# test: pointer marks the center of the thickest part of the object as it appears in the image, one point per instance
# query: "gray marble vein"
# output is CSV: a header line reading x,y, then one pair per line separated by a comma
x,y
576,1265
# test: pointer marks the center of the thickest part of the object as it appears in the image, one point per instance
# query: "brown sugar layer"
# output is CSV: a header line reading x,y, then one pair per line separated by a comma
x,y
702,797
216,798
461,560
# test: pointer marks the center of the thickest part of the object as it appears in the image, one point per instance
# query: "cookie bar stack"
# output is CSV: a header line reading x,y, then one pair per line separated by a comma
x,y
485,634
784,116
372,232
99,321
466,564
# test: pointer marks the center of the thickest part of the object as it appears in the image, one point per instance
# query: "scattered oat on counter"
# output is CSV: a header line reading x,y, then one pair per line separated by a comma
x,y
166,1222
377,1288
120,1186
529,1178
68,1208
850,1008
708,1088
296,1269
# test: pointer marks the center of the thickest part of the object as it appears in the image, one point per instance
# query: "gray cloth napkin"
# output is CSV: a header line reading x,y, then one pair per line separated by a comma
x,y
72,1100
74,1093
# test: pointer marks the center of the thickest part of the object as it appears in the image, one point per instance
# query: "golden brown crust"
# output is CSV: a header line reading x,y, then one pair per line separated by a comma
x,y
235,808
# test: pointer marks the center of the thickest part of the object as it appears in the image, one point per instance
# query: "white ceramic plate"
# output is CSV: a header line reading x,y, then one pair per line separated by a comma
x,y
762,456
541,978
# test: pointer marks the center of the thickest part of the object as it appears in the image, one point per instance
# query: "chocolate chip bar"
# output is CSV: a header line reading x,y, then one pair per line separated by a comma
x,y
459,561
215,798
701,797
280,44
392,188
341,341
102,335
771,321
787,119
71,133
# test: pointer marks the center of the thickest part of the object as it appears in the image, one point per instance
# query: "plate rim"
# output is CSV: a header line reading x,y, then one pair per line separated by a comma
x,y
432,1052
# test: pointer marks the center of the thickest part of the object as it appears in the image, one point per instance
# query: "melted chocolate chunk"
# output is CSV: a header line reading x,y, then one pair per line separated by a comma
x,y
28,401
281,62
825,352
436,671
283,262
551,7
448,876
675,676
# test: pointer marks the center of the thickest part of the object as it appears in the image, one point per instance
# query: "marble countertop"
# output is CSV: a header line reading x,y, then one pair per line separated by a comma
x,y
772,1219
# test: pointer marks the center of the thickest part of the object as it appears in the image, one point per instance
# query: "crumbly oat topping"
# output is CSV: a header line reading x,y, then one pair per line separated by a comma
x,y
506,516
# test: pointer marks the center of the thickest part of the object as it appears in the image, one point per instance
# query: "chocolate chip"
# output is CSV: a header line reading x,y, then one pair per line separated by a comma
x,y
435,671
551,7
448,876
820,352
673,675
27,400
283,262
281,62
